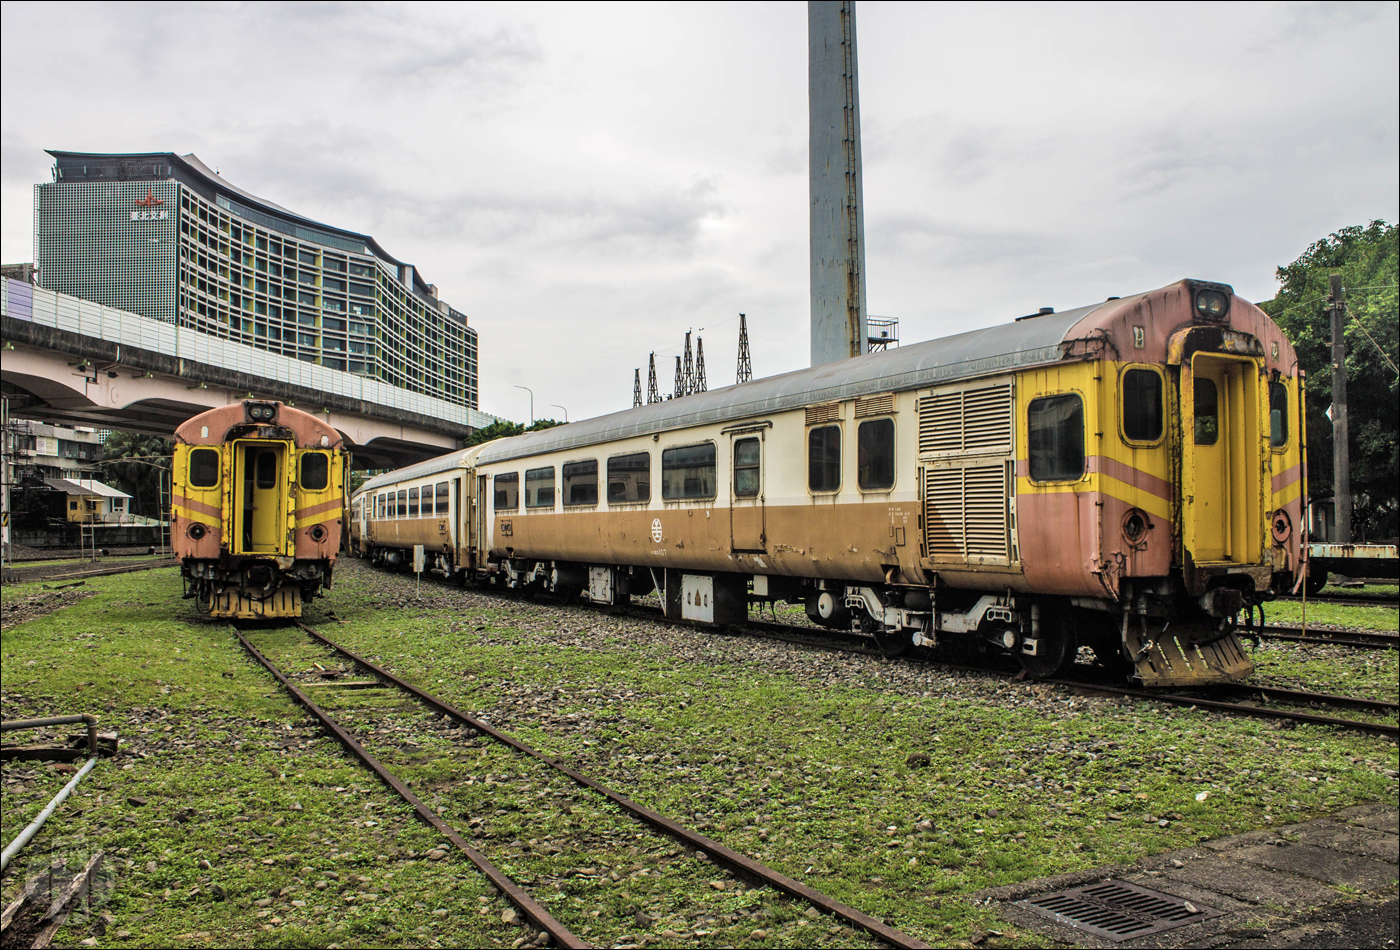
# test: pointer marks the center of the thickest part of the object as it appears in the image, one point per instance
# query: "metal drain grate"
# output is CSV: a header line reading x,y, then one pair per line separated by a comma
x,y
1118,911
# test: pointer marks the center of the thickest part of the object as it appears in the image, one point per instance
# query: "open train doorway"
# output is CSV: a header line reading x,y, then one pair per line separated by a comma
x,y
1222,460
747,530
260,497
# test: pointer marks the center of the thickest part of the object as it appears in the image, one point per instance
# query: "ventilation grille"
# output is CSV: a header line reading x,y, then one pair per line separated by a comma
x,y
1118,911
819,414
875,406
965,513
972,421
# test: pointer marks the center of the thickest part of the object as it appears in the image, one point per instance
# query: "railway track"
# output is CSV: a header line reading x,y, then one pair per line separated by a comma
x,y
29,575
1362,639
529,906
1331,601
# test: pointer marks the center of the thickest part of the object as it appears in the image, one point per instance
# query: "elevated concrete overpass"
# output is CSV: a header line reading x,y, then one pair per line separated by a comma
x,y
72,361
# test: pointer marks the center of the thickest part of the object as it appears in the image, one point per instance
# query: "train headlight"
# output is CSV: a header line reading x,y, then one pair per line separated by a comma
x,y
1282,526
318,533
196,531
261,411
1212,304
1135,525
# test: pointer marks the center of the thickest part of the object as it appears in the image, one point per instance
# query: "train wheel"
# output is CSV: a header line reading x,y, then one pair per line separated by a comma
x,y
1059,645
893,642
1316,580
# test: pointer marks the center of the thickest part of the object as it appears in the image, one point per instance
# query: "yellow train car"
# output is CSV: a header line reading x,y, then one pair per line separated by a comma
x,y
259,508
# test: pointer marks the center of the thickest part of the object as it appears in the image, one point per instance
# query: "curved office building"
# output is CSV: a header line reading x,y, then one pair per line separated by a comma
x,y
166,237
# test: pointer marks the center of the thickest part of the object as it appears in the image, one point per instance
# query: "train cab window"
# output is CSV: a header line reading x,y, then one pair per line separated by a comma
x,y
315,471
748,455
581,483
507,492
204,468
402,506
1207,410
824,458
875,455
413,503
443,493
629,478
539,487
1278,415
1142,405
266,470
1056,436
688,472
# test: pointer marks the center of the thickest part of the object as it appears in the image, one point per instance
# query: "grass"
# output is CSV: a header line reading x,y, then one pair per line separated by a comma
x,y
1382,617
822,782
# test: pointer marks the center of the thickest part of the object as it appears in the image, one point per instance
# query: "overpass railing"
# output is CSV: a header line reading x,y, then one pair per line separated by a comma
x,y
23,301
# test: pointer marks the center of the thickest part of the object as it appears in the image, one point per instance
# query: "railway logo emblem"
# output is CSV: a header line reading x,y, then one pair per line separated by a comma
x,y
147,210
150,201
656,530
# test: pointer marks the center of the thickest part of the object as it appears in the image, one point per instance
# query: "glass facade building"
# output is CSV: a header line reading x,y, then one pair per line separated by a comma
x,y
166,237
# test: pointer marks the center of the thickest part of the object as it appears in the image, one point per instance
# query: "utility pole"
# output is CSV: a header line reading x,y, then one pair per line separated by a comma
x,y
653,394
1341,454
744,373
637,388
700,385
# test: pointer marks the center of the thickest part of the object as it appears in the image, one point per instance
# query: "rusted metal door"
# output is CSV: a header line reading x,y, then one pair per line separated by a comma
x,y
746,508
1221,459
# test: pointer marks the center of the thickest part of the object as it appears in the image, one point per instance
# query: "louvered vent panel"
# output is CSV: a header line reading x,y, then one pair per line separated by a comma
x,y
819,414
984,499
987,420
943,514
940,423
875,406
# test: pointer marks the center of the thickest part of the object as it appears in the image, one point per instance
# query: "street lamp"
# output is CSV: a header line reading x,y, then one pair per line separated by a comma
x,y
555,405
532,401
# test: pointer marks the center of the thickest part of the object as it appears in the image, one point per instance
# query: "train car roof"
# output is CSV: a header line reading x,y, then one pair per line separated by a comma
x,y
985,352
462,458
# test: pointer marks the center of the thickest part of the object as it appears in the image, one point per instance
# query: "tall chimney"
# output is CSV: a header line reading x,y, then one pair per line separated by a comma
x,y
838,225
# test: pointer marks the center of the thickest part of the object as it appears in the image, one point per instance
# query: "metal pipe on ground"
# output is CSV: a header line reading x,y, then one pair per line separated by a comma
x,y
11,724
24,837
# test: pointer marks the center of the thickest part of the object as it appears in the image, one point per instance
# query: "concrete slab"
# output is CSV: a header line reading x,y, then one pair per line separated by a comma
x,y
1339,836
1377,817
1322,864
1247,883
1361,925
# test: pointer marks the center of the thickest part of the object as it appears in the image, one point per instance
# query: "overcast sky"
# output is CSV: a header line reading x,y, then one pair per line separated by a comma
x,y
587,181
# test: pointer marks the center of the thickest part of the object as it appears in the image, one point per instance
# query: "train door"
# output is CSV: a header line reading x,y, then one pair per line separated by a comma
x,y
746,511
1221,456
260,507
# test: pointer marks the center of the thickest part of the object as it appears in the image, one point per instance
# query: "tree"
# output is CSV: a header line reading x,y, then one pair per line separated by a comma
x,y
504,428
136,464
1367,260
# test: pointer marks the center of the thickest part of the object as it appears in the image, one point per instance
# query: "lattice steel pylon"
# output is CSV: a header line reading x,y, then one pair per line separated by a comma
x,y
700,384
637,388
744,374
680,381
688,384
653,394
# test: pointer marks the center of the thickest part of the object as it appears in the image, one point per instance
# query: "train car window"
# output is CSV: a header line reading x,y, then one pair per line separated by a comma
x,y
748,455
204,468
443,494
1056,436
267,470
688,472
508,492
824,458
875,454
1278,414
581,482
382,511
315,471
402,503
1142,405
629,478
413,503
1207,409
539,487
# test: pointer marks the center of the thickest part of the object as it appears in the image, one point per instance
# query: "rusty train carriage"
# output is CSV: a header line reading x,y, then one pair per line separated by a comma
x,y
1125,476
259,505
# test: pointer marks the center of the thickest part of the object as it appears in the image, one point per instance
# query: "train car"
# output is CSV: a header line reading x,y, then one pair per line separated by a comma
x,y
1123,476
431,504
259,508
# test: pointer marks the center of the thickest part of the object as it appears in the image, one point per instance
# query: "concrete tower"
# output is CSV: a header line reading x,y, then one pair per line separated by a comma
x,y
838,224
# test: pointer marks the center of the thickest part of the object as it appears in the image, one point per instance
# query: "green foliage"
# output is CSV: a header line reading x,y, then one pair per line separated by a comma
x,y
504,429
135,464
1367,260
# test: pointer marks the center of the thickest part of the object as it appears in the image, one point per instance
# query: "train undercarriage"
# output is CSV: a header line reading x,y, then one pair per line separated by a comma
x,y
1156,634
262,589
